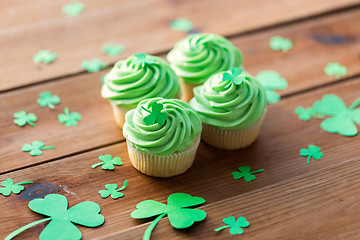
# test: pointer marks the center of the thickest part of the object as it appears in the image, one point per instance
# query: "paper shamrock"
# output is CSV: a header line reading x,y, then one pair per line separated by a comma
x,y
9,186
112,49
93,65
271,81
342,120
234,225
22,118
46,99
179,215
35,148
306,113
311,151
278,43
70,119
62,219
113,191
73,9
142,59
44,56
181,24
108,162
335,69
155,115
235,77
245,173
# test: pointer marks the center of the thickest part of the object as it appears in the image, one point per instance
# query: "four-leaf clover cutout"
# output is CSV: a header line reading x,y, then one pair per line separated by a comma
x,y
22,118
35,148
311,151
234,225
142,59
9,186
246,174
335,69
278,43
46,99
70,119
155,115
108,162
112,49
271,81
44,56
113,191
306,113
236,76
73,9
93,65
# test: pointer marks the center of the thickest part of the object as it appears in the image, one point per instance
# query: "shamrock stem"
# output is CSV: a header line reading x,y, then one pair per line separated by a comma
x,y
221,228
31,123
46,148
355,104
51,106
123,187
97,164
257,171
27,182
145,109
308,160
152,226
16,232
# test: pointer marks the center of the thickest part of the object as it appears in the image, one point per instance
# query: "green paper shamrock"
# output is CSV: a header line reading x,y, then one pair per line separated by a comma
x,y
73,9
179,215
9,186
278,43
245,173
235,226
70,119
181,24
341,118
271,81
22,118
306,113
113,191
93,65
335,69
108,162
112,49
62,219
48,100
35,148
142,59
311,151
44,56
235,77
155,115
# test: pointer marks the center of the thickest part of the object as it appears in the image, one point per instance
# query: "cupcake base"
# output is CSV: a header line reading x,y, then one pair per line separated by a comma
x,y
119,115
187,90
163,166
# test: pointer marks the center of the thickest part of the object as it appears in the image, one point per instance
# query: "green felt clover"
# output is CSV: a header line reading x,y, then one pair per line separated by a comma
x,y
35,148
112,49
335,69
342,120
180,216
46,99
311,151
142,59
9,186
62,220
155,115
22,118
236,76
93,65
70,119
108,162
181,24
245,173
234,225
306,113
73,9
44,56
113,191
271,81
278,43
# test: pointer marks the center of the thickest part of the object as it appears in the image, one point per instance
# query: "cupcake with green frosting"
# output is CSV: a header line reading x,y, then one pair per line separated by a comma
x,y
136,78
199,56
232,107
162,136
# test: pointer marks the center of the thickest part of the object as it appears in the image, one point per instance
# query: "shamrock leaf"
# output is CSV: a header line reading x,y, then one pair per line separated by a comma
x,y
155,115
70,119
112,49
278,43
142,59
236,76
108,162
181,24
45,56
306,113
35,148
311,151
245,173
271,81
9,186
113,191
48,100
341,118
22,118
179,215
235,226
335,69
62,219
73,9
93,65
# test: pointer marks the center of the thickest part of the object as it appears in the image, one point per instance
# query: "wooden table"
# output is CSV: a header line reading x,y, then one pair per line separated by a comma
x,y
289,200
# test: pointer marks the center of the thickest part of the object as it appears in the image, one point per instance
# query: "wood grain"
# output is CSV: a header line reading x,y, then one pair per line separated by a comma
x,y
81,38
265,201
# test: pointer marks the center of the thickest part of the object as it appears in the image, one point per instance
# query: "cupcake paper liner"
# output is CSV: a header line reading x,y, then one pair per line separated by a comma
x,y
187,90
119,115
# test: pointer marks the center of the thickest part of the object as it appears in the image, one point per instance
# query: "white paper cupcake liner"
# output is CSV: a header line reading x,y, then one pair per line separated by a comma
x,y
119,115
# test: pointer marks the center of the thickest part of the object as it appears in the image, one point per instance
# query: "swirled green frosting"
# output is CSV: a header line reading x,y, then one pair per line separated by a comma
x,y
229,106
135,79
178,133
198,56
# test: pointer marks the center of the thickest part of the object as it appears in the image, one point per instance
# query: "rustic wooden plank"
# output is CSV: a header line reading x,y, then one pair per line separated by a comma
x,y
80,38
276,150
